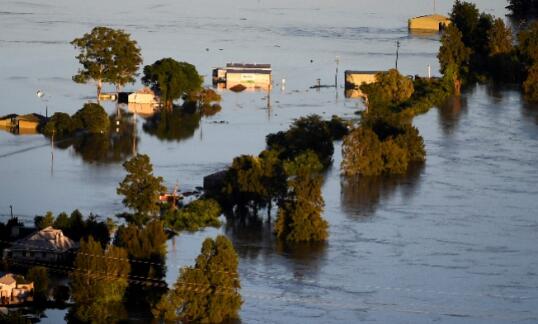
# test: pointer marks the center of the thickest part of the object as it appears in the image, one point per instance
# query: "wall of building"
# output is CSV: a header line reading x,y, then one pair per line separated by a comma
x,y
142,98
428,23
355,80
248,80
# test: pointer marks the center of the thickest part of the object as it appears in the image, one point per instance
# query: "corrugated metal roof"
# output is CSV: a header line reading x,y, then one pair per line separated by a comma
x,y
248,66
362,72
248,71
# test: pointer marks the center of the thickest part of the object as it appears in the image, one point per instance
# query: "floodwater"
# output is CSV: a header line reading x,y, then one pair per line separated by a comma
x,y
453,241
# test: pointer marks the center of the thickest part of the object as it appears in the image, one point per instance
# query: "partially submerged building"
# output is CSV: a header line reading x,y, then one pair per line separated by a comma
x,y
434,22
14,289
247,75
46,245
23,124
354,79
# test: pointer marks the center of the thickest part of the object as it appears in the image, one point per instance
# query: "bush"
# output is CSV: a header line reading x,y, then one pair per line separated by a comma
x,y
60,124
92,118
306,133
195,216
395,158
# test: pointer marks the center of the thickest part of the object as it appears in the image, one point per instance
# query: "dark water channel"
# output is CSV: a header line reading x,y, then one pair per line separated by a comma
x,y
452,241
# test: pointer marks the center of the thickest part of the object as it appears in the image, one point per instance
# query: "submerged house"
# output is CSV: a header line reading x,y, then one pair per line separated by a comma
x,y
46,245
247,75
433,22
22,124
14,289
354,79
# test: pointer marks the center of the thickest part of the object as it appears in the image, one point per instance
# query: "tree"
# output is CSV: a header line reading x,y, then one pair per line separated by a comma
x,y
299,215
39,276
140,188
42,222
465,17
395,159
390,89
62,221
530,86
92,118
499,38
453,57
243,185
148,246
523,7
306,133
107,55
528,44
60,125
98,282
171,80
195,216
410,140
362,153
207,292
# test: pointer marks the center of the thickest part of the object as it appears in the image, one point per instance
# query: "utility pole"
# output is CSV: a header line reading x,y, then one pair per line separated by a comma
x,y
397,53
11,208
429,71
337,60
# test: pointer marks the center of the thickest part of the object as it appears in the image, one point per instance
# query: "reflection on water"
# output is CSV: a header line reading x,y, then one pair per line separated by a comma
x,y
361,196
177,125
530,111
450,113
254,238
117,146
250,235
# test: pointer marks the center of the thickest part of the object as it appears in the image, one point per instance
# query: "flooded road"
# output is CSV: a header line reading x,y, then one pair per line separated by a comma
x,y
453,241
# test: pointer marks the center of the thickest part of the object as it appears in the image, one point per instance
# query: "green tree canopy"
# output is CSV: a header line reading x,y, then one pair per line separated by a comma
x,y
299,216
140,188
530,86
42,222
107,55
195,216
362,153
499,38
523,7
306,133
98,283
465,17
92,118
390,89
207,292
171,80
453,57
60,124
528,43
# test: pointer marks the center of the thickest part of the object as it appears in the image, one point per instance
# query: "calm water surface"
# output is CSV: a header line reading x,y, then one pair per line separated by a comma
x,y
453,241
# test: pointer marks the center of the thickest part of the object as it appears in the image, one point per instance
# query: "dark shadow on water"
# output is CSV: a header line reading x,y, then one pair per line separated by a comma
x,y
253,238
115,147
176,125
361,196
306,258
250,235
450,113
530,111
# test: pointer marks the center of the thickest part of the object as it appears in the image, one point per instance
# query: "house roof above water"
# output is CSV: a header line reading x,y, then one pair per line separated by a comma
x,y
46,239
